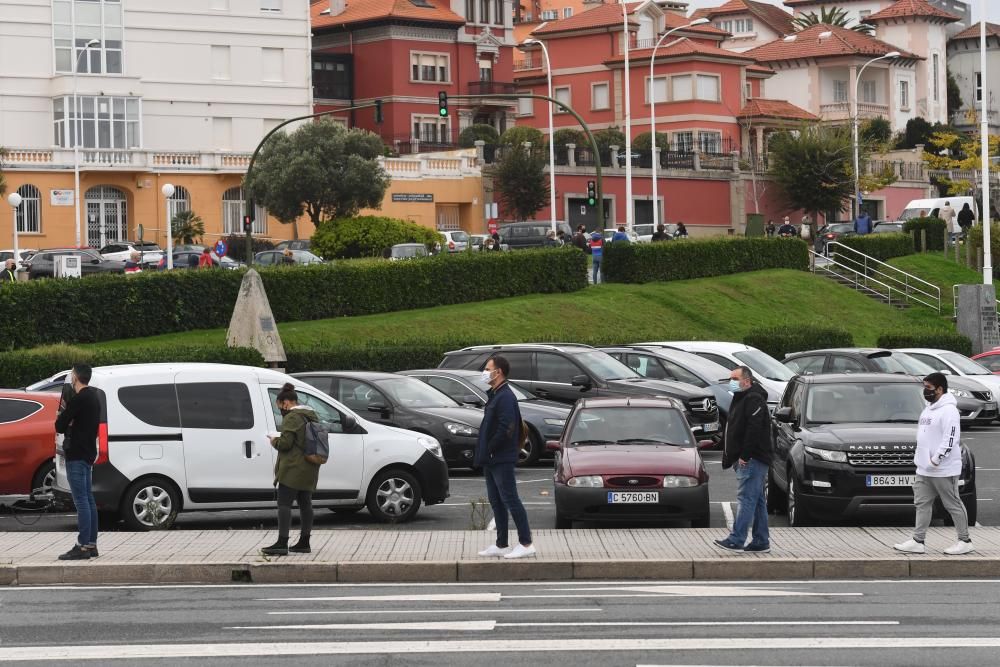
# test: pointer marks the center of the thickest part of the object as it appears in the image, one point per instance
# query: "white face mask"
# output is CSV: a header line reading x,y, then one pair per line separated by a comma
x,y
486,377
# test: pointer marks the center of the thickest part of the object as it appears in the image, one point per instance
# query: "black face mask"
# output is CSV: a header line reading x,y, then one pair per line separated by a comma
x,y
283,411
930,395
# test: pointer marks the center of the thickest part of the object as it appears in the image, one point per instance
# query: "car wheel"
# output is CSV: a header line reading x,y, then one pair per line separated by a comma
x,y
701,522
563,522
797,515
346,510
394,496
531,451
150,503
44,477
776,500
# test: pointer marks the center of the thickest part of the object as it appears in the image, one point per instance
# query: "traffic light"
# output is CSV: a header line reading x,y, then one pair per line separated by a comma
x,y
591,193
378,111
247,223
443,104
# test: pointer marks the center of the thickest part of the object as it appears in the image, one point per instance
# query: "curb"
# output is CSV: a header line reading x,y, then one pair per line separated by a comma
x,y
499,571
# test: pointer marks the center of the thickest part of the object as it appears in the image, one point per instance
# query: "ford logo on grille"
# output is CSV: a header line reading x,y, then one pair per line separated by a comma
x,y
633,481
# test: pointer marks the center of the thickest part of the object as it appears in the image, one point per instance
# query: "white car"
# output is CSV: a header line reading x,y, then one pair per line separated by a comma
x,y
456,241
187,437
632,237
953,363
120,251
769,372
22,255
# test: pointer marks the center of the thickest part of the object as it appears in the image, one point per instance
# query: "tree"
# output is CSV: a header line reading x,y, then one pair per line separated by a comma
x,y
187,226
954,96
519,181
644,141
473,133
322,170
813,167
368,236
950,149
3,180
834,16
876,131
519,134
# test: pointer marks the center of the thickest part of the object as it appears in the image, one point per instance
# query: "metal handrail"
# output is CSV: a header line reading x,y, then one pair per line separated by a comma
x,y
869,265
857,283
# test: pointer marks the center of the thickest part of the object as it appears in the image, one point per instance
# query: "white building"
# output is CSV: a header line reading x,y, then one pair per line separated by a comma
x,y
964,64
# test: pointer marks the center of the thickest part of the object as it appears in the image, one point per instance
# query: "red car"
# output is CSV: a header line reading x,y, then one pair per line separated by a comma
x,y
990,359
629,459
27,440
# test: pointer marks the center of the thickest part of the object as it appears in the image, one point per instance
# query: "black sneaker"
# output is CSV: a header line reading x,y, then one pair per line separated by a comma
x,y
301,547
76,553
758,548
92,551
279,548
728,546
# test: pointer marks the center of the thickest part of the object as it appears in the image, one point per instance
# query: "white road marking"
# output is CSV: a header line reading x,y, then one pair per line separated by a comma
x,y
671,624
701,591
465,626
482,646
467,504
727,510
442,597
353,612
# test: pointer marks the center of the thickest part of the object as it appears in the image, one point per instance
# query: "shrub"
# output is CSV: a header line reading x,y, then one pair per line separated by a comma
x,y
18,369
976,239
237,246
608,137
779,341
367,236
518,134
644,141
681,260
386,356
935,228
474,133
568,135
880,246
941,340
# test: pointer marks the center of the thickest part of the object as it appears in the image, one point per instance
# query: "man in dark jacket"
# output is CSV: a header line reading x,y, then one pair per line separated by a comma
x,y
966,218
9,272
79,421
580,238
660,234
497,451
748,448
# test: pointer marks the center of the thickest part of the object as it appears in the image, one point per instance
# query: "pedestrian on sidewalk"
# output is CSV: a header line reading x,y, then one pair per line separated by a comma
x,y
770,229
660,234
596,249
620,235
947,213
681,232
294,476
939,466
9,273
748,448
550,240
966,218
580,238
497,451
79,422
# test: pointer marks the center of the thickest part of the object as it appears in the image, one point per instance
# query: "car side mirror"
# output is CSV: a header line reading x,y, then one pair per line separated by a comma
x,y
349,422
95,261
380,408
472,399
553,446
582,381
783,415
706,444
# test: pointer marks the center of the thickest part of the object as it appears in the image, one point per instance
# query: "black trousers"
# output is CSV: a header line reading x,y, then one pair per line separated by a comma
x,y
286,496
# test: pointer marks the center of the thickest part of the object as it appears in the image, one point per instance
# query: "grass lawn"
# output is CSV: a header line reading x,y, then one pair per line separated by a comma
x,y
723,308
940,271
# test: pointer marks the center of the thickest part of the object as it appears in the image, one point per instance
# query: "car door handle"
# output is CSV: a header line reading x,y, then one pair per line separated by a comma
x,y
248,448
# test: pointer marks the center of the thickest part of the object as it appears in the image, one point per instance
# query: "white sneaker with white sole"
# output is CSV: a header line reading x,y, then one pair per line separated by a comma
x,y
959,548
910,547
521,551
493,551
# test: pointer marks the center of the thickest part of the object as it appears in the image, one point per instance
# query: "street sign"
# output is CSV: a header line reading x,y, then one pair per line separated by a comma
x,y
492,226
221,248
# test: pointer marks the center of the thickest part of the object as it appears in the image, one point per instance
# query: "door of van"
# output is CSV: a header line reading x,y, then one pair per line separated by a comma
x,y
342,476
227,456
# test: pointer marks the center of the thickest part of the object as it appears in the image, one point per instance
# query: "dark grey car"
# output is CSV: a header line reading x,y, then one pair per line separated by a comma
x,y
43,263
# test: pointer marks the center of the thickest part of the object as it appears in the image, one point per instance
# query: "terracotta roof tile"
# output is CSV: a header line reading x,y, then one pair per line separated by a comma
x,y
610,16
364,11
905,8
762,108
795,3
992,30
762,69
681,47
807,44
775,17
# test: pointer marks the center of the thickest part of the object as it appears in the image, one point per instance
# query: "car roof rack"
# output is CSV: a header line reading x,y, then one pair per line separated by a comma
x,y
534,346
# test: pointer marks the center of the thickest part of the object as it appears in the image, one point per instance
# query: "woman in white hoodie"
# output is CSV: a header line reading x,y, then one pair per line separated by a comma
x,y
939,466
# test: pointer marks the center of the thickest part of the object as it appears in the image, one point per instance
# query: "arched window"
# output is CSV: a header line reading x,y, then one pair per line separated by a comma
x,y
180,202
29,213
234,208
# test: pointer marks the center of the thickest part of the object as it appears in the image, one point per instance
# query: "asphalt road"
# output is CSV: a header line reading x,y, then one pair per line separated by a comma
x,y
886,623
535,486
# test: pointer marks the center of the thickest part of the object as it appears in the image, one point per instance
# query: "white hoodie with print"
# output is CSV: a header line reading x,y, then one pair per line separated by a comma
x,y
938,438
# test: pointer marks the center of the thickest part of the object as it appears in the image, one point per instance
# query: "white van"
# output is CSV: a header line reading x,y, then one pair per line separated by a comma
x,y
930,207
189,437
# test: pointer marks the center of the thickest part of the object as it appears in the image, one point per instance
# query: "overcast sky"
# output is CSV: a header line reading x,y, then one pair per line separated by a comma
x,y
992,7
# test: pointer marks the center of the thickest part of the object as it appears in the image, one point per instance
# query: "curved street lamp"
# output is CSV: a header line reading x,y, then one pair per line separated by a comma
x,y
856,205
76,143
15,200
168,192
552,148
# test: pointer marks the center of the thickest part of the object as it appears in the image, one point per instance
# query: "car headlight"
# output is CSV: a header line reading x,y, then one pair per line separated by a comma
x,y
456,428
432,445
960,393
588,481
555,422
828,455
678,481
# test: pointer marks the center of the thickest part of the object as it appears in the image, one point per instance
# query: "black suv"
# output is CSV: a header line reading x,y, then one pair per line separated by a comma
x,y
976,404
567,372
518,235
844,445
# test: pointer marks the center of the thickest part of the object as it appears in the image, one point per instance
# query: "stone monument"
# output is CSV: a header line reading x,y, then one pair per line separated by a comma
x,y
252,324
977,316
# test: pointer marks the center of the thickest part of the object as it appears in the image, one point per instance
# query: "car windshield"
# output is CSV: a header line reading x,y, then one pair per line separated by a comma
x,y
604,366
633,425
893,364
765,365
867,402
965,365
911,213
461,237
911,365
146,247
408,251
305,257
412,393
643,230
708,370
839,228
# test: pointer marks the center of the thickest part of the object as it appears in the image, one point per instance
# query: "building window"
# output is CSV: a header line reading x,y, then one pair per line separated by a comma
x,y
272,64
429,67
563,95
743,26
498,12
725,25
979,86
470,11
484,11
550,14
904,94
525,105
747,90
222,133
868,92
680,88
682,142
29,213
221,62
839,91
75,23
708,87
234,208
659,85
103,122
864,13
179,202
599,96
431,129
709,142
567,12
935,72
270,5
332,77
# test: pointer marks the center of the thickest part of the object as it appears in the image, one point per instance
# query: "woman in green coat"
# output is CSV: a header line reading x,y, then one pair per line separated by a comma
x,y
294,476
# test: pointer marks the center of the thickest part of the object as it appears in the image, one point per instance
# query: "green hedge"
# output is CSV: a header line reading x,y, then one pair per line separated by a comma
x,y
880,246
941,340
19,369
681,260
367,236
935,228
779,341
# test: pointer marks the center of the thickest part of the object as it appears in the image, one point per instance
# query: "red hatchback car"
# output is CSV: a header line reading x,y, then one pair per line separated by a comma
x,y
629,459
27,440
990,359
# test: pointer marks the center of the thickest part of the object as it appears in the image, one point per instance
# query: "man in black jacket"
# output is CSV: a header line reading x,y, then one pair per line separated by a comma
x,y
79,421
748,447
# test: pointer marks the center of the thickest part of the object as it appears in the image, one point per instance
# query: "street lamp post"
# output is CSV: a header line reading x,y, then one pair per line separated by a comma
x,y
984,137
629,206
168,192
856,204
552,148
652,113
15,203
76,141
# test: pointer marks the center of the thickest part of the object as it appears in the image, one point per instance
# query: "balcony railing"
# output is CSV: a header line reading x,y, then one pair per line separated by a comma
x,y
491,88
97,159
527,64
842,110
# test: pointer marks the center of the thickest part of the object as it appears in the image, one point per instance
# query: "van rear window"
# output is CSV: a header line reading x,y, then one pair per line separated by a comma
x,y
215,405
153,404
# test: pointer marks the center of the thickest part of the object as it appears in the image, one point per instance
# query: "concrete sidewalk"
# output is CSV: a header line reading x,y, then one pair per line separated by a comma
x,y
446,556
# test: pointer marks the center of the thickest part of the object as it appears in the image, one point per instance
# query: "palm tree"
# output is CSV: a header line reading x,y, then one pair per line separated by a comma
x,y
834,16
186,226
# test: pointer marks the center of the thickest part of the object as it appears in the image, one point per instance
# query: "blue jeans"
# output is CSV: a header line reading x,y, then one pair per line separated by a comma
x,y
80,475
501,489
752,504
597,271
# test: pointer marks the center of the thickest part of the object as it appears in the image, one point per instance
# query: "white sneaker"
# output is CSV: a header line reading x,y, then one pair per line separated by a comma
x,y
959,548
521,551
493,550
910,547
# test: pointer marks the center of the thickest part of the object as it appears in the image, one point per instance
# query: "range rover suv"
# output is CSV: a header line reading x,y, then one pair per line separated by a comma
x,y
567,372
844,444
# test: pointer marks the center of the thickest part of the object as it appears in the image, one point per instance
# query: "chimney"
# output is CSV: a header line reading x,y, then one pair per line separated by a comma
x,y
337,7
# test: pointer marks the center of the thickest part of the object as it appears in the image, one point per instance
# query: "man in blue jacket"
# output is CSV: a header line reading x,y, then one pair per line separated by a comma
x,y
497,452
